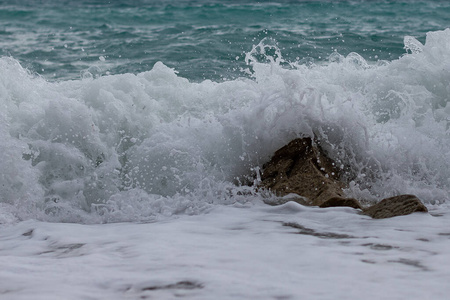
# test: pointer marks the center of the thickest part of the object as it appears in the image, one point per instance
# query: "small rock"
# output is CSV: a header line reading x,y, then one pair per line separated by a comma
x,y
338,201
395,206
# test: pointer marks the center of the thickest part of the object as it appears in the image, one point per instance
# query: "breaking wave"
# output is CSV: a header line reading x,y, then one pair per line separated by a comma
x,y
133,147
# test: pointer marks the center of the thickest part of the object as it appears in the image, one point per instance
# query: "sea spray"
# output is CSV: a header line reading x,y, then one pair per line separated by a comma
x,y
135,147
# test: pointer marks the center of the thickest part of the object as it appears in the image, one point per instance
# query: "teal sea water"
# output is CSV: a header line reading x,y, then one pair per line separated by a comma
x,y
127,110
204,39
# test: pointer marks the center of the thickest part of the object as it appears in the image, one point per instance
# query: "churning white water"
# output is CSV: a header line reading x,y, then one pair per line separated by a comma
x,y
136,146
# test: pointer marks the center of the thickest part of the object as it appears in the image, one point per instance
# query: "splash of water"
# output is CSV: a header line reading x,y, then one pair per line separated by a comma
x,y
132,147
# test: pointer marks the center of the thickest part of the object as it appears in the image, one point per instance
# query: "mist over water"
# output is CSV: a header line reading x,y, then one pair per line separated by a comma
x,y
109,139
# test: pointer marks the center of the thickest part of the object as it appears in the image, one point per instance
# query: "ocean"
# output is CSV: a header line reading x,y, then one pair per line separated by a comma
x,y
133,132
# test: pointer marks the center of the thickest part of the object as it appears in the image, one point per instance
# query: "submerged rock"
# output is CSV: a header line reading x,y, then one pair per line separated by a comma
x,y
337,201
395,206
302,168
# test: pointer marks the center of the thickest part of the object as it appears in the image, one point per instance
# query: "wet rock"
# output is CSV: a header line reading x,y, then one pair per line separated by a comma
x,y
301,172
338,201
301,168
395,206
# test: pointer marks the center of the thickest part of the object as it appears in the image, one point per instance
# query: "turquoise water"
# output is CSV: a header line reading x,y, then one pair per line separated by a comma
x,y
204,39
129,110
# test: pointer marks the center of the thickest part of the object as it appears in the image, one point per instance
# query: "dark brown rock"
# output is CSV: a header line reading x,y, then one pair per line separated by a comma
x,y
338,201
301,167
395,206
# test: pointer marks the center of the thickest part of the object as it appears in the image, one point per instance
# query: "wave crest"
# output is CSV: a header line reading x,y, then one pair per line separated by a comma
x,y
132,147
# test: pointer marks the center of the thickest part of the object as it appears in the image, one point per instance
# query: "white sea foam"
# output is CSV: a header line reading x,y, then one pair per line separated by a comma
x,y
262,252
134,147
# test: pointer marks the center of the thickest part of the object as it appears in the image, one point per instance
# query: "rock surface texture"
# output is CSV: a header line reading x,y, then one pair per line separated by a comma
x,y
395,206
302,168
